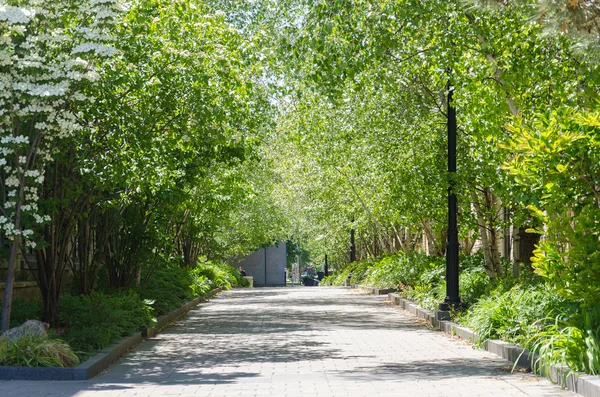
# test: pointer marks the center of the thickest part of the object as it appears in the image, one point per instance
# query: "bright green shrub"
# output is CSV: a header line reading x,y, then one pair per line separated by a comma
x,y
473,284
386,272
570,339
556,157
512,315
168,288
218,275
200,285
36,351
360,271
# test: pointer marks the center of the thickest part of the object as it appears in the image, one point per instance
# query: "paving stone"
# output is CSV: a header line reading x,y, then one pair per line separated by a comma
x,y
294,342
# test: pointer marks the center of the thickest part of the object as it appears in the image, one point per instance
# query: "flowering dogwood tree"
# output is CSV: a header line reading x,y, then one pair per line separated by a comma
x,y
49,50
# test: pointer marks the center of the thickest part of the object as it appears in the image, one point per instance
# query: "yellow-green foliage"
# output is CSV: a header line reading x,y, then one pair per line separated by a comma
x,y
36,351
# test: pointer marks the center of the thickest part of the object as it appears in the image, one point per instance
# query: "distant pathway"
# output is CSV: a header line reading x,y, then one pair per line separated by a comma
x,y
299,341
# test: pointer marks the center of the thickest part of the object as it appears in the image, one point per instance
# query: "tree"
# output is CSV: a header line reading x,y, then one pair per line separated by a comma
x,y
48,53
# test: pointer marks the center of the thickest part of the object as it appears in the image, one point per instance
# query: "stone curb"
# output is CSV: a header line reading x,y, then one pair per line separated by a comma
x,y
375,291
104,358
166,319
580,383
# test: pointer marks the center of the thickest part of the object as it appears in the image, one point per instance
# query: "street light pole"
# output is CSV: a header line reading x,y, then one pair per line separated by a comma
x,y
352,245
452,299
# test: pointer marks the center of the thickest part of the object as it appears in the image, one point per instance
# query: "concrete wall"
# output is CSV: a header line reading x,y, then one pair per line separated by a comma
x,y
274,268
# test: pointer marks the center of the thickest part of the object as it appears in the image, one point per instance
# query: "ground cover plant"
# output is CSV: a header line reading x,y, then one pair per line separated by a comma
x,y
36,351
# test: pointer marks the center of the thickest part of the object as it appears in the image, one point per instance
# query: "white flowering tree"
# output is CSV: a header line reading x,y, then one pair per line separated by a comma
x,y
49,50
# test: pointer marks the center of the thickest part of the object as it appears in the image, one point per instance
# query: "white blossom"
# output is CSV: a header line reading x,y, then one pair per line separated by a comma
x,y
12,181
39,78
15,15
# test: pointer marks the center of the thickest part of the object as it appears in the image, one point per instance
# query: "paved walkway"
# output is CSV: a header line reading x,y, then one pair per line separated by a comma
x,y
299,342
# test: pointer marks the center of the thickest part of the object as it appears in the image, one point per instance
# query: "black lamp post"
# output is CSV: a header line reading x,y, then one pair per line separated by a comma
x,y
452,299
352,245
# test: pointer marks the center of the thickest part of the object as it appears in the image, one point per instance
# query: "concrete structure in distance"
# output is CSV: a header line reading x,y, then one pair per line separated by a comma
x,y
265,265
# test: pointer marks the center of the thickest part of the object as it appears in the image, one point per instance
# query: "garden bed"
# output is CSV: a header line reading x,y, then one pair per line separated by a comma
x,y
104,358
580,383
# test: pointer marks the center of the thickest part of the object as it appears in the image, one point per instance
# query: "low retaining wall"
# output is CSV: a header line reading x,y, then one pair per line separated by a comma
x,y
580,383
103,359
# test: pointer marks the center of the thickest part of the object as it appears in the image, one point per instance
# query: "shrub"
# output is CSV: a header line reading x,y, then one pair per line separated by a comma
x,y
168,288
94,321
218,275
514,315
36,351
201,285
385,273
571,339
555,157
473,284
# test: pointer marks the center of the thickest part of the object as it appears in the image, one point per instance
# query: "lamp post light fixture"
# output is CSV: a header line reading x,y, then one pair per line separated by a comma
x,y
452,299
352,244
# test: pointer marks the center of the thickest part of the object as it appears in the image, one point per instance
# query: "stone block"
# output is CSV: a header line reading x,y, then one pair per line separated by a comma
x,y
442,315
588,385
29,373
464,333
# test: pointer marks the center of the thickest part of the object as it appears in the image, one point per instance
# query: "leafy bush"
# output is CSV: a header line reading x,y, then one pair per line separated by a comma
x,y
201,285
217,275
403,270
340,277
94,321
168,288
556,156
473,284
513,315
36,351
360,271
570,339
426,296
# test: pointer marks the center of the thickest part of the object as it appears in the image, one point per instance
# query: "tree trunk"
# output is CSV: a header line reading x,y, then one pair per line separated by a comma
x,y
10,280
432,245
487,232
15,246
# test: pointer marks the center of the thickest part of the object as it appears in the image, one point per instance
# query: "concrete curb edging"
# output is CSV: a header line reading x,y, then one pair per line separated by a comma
x,y
104,358
580,383
375,291
166,319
